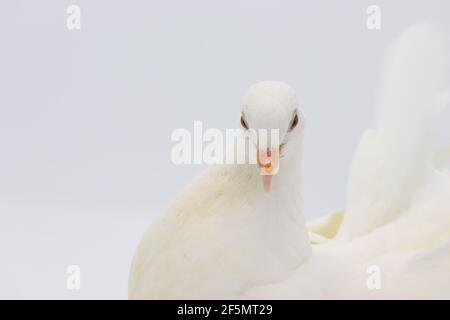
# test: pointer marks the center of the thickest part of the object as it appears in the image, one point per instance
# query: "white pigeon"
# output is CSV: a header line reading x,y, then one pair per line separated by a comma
x,y
229,235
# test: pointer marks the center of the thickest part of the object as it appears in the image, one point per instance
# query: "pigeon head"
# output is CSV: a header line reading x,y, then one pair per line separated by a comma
x,y
271,112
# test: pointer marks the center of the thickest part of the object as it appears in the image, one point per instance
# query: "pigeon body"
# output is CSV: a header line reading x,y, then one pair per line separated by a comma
x,y
220,231
233,233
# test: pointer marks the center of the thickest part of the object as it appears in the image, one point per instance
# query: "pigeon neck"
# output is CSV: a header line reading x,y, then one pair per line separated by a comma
x,y
285,218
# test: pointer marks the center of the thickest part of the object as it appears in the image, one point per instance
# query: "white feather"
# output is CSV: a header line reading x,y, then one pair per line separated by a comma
x,y
394,158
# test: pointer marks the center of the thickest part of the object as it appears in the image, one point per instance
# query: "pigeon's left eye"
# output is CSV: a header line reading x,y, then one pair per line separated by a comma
x,y
294,122
244,123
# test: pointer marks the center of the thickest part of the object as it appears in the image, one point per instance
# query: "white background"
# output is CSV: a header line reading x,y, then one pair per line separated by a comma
x,y
86,116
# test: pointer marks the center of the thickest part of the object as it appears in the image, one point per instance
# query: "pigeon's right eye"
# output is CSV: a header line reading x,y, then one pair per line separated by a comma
x,y
244,123
294,122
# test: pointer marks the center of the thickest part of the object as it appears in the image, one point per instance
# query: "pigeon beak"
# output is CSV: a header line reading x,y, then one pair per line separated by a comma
x,y
268,162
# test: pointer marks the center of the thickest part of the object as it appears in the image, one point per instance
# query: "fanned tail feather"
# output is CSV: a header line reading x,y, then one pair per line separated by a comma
x,y
395,157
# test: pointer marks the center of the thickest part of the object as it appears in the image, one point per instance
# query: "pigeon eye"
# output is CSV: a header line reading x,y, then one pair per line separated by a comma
x,y
244,123
293,123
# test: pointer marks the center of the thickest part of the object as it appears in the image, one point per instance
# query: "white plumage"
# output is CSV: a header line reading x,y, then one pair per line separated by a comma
x,y
224,237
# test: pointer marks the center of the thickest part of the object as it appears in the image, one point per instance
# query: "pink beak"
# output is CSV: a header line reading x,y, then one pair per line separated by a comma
x,y
268,162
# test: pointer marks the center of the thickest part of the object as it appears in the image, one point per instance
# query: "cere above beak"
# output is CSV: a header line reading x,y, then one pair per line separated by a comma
x,y
268,162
